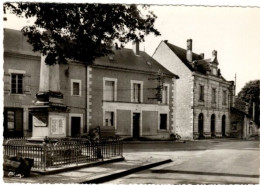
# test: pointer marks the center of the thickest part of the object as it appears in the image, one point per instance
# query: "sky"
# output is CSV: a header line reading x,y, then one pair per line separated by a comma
x,y
233,31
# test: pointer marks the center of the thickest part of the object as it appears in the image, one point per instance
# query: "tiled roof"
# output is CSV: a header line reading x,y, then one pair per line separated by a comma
x,y
15,41
126,59
199,64
181,54
202,66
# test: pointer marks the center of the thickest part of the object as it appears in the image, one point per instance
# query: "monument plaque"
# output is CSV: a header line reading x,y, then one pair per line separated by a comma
x,y
41,121
58,124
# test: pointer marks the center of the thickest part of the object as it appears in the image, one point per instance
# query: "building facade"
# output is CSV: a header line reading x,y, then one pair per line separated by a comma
x,y
21,83
128,92
242,123
123,95
203,95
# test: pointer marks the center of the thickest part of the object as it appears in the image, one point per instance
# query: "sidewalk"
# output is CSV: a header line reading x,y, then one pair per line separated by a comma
x,y
94,174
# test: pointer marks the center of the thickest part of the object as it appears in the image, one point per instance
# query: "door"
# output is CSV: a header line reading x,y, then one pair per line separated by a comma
x,y
223,126
201,126
136,125
212,125
13,122
75,126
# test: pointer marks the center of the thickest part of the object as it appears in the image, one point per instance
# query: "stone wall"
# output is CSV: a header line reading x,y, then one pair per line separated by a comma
x,y
184,90
209,108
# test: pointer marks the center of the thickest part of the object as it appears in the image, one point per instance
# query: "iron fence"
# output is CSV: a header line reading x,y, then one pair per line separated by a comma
x,y
63,152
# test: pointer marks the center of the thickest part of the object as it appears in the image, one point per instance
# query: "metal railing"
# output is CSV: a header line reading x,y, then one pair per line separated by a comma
x,y
58,153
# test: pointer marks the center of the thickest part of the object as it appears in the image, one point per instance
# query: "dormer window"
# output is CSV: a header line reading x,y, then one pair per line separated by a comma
x,y
214,71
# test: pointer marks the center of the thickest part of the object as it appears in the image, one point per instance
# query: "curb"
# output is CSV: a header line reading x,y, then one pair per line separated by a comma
x,y
112,176
203,173
117,159
152,142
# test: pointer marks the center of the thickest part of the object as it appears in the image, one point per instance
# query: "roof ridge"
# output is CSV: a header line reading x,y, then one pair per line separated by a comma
x,y
180,48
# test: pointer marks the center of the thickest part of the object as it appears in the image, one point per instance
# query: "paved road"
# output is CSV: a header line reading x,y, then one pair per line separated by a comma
x,y
206,161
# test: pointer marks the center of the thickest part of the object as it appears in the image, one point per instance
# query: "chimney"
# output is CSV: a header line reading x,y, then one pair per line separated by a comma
x,y
189,50
214,53
202,55
136,47
214,57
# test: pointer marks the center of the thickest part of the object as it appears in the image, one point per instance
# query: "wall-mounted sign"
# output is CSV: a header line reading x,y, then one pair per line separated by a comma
x,y
57,124
40,121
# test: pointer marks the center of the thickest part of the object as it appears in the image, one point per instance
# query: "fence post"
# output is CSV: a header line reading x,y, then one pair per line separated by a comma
x,y
44,155
76,150
121,147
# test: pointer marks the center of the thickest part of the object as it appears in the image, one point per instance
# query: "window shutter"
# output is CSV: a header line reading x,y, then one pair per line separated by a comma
x,y
7,85
109,90
27,84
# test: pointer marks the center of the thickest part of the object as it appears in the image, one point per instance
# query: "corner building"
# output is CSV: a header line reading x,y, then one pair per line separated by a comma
x,y
128,93
203,95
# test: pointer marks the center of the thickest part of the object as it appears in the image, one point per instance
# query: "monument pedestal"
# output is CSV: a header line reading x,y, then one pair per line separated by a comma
x,y
49,112
49,116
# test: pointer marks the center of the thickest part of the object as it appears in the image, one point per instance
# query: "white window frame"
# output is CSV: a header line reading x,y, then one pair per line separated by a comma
x,y
81,122
159,120
71,86
104,121
168,96
141,90
115,118
115,87
16,72
12,71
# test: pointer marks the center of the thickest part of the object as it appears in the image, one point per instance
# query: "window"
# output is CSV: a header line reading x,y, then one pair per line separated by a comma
x,y
201,93
109,118
224,98
165,94
136,91
163,121
17,83
109,90
10,120
213,96
75,87
214,71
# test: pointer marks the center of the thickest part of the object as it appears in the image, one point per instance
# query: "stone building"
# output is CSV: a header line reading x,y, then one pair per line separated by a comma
x,y
22,68
123,95
203,95
21,83
242,123
128,92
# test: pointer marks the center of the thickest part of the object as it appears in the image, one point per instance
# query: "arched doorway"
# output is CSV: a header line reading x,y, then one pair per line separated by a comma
x,y
212,125
223,126
201,126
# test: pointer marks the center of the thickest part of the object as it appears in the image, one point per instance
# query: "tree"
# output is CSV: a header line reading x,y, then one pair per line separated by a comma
x,y
82,32
251,93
